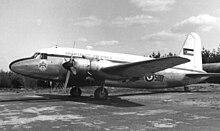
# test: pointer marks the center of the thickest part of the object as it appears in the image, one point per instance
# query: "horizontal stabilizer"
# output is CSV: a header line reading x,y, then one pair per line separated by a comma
x,y
204,75
140,68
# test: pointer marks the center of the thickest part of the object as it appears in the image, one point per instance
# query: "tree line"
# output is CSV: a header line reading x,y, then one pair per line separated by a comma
x,y
207,55
12,80
211,56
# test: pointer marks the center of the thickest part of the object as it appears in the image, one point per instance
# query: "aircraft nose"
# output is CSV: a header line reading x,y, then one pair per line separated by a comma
x,y
17,66
14,66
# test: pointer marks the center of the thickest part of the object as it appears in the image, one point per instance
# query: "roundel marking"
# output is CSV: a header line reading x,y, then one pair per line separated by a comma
x,y
149,78
42,65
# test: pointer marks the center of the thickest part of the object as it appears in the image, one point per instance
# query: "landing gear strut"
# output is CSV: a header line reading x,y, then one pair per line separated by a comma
x,y
75,92
101,93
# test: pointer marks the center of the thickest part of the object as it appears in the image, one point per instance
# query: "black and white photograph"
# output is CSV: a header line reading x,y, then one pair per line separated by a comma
x,y
109,65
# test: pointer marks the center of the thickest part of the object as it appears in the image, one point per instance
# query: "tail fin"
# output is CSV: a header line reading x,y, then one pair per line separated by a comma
x,y
192,51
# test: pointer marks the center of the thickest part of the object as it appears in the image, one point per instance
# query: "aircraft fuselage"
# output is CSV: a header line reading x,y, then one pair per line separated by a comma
x,y
48,64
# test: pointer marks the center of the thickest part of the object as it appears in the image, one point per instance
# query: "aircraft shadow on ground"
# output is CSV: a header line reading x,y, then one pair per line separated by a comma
x,y
113,100
157,92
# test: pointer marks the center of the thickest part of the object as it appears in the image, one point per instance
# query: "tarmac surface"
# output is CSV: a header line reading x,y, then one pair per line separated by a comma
x,y
124,110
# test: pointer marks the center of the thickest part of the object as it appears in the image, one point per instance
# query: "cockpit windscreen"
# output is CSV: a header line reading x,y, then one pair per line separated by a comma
x,y
35,55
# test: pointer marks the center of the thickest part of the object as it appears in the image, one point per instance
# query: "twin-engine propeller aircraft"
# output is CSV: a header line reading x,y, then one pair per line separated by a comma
x,y
81,67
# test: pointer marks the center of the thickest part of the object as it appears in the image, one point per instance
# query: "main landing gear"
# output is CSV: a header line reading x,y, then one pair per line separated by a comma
x,y
101,93
75,92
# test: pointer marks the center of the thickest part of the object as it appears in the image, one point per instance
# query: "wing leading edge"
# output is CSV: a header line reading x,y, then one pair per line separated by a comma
x,y
140,68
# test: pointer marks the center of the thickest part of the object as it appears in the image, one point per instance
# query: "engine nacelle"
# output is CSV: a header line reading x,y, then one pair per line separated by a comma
x,y
82,66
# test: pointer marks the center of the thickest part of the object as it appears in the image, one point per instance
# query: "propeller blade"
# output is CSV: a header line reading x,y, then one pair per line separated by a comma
x,y
67,80
73,70
71,58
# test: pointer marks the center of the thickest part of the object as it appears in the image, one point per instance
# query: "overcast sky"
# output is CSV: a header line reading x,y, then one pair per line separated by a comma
x,y
127,26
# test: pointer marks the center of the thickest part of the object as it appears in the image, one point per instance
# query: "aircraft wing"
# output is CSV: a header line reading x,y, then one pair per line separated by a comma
x,y
204,75
140,68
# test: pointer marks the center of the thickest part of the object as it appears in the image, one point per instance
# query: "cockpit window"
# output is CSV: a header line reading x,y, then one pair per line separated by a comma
x,y
35,55
43,56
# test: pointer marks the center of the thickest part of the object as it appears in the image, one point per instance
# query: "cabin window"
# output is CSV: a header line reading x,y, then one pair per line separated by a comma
x,y
43,56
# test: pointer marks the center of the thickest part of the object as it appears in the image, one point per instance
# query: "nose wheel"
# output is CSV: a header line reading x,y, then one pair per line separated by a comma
x,y
75,92
101,93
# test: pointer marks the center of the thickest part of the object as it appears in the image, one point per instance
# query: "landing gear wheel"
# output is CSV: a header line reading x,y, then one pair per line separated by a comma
x,y
186,89
75,92
101,93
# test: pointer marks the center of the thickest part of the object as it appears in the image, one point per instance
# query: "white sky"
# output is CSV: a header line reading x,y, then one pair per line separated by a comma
x,y
127,26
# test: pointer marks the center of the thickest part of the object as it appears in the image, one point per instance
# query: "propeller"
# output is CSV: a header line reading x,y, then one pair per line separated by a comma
x,y
70,67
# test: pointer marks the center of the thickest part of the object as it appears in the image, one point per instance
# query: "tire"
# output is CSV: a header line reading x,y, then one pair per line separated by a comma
x,y
75,92
101,93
